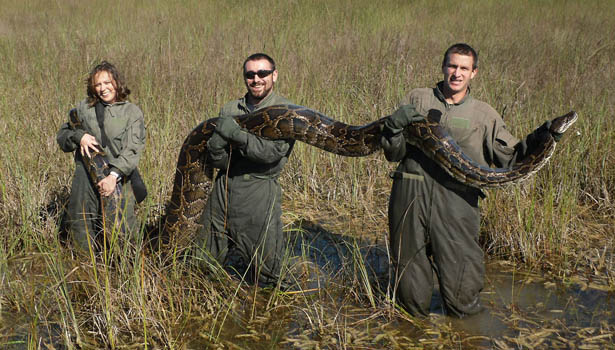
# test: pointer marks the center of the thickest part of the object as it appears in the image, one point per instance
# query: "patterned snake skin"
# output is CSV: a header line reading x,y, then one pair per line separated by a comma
x,y
191,184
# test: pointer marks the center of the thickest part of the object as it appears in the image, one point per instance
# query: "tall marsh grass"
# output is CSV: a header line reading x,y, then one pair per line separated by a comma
x,y
352,60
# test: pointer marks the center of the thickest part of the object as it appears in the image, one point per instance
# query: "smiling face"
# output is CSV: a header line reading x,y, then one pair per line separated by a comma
x,y
258,87
105,87
458,71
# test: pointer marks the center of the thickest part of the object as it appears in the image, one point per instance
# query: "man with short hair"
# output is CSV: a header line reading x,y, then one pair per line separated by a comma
x,y
434,219
244,208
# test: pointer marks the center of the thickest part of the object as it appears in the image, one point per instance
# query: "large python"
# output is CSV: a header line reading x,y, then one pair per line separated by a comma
x,y
191,184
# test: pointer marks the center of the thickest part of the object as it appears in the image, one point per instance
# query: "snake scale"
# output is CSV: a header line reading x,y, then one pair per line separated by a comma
x,y
191,183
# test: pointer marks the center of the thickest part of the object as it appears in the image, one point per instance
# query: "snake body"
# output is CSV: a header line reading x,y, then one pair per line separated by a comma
x,y
191,185
435,142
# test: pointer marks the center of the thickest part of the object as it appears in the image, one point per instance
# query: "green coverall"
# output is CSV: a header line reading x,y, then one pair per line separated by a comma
x,y
125,129
244,209
432,215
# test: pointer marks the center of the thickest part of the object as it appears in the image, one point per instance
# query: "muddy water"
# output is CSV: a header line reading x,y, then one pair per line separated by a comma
x,y
17,333
528,310
522,310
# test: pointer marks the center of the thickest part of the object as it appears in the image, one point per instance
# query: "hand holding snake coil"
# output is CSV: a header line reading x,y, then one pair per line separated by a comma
x,y
96,165
191,184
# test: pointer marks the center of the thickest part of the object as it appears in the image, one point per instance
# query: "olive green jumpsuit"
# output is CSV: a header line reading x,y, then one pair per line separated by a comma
x,y
244,209
434,220
125,129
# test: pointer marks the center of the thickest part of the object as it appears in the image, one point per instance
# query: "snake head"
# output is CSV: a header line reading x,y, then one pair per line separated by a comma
x,y
559,125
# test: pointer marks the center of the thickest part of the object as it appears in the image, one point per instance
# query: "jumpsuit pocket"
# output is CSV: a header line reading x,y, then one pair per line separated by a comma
x,y
464,137
470,279
463,131
460,278
116,145
119,139
396,174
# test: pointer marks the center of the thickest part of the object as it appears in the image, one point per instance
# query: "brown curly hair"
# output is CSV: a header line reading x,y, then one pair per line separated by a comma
x,y
118,82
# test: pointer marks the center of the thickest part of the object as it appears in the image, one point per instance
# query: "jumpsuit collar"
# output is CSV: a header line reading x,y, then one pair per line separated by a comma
x,y
111,104
440,95
243,102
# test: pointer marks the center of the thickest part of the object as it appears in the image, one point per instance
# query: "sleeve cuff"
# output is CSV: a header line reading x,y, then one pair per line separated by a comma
x,y
77,135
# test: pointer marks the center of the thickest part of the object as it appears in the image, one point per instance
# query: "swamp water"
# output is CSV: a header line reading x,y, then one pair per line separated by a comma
x,y
523,311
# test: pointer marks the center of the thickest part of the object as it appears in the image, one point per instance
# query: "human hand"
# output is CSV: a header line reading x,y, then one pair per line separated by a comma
x,y
403,117
88,141
226,127
216,142
107,185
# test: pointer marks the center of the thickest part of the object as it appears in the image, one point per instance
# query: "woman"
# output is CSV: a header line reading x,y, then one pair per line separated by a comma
x,y
122,140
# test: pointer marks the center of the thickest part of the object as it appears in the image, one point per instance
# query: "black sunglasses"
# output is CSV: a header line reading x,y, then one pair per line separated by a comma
x,y
261,74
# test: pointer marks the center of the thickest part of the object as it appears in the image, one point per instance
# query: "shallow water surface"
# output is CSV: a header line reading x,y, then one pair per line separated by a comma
x,y
522,311
527,310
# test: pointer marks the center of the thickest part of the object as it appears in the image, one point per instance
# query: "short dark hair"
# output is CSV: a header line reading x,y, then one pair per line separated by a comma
x,y
121,89
462,49
259,56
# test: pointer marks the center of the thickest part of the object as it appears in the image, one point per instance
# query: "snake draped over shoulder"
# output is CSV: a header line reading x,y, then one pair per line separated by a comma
x,y
191,184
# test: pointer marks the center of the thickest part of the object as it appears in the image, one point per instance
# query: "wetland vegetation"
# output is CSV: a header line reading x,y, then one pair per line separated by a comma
x,y
550,241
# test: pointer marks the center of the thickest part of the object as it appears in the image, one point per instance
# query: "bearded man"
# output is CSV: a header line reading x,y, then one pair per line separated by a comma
x,y
244,209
